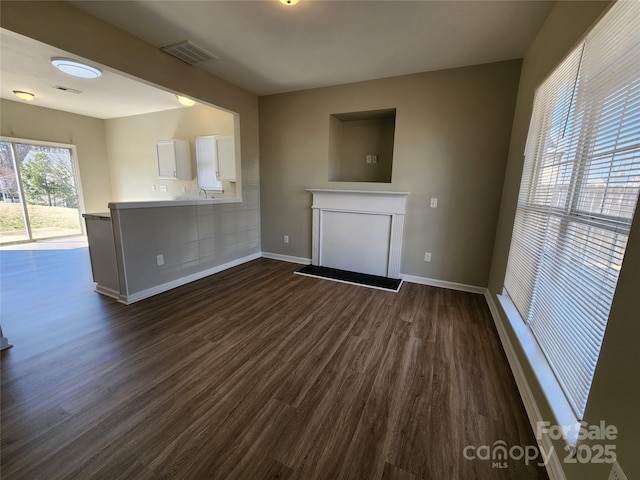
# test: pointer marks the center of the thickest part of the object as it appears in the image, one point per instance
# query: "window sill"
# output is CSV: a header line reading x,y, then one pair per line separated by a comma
x,y
562,411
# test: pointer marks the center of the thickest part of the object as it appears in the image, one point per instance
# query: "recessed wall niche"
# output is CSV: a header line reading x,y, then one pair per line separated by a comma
x,y
361,146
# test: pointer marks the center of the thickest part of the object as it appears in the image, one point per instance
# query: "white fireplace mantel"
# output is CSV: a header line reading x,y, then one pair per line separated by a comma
x,y
358,230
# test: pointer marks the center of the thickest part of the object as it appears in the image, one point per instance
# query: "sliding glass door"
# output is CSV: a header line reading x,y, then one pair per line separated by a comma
x,y
13,221
39,192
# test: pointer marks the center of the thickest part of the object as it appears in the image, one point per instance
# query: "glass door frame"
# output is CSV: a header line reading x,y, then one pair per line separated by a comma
x,y
76,174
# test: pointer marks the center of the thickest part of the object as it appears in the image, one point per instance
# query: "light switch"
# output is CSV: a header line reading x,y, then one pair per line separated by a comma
x,y
374,159
434,203
163,188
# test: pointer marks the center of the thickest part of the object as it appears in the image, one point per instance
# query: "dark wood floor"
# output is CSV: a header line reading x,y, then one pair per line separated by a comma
x,y
254,373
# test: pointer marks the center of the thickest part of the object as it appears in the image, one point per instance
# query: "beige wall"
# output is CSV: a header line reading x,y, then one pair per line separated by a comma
x,y
616,388
357,139
29,122
133,161
451,142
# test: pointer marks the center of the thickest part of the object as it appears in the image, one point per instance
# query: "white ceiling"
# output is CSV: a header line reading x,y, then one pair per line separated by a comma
x,y
266,47
25,64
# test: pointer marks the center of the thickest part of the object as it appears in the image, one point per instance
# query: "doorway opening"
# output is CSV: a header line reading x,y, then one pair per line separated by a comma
x,y
40,195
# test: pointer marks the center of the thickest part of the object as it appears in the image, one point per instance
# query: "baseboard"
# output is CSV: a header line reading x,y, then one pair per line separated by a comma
x,y
107,292
442,283
4,343
407,278
286,258
137,296
554,465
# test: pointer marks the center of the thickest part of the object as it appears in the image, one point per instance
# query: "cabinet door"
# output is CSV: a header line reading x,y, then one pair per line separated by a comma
x,y
226,150
174,159
166,160
206,160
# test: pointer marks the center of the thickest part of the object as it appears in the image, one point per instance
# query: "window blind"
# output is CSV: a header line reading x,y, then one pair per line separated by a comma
x,y
577,199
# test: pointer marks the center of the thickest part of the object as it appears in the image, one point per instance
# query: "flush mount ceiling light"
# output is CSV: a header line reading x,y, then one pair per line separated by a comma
x,y
187,102
24,95
289,2
75,68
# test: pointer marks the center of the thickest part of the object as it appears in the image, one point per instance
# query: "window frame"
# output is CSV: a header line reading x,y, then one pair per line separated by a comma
x,y
574,211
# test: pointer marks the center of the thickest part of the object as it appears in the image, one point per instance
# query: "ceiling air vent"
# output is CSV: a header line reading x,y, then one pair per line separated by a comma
x,y
189,52
67,89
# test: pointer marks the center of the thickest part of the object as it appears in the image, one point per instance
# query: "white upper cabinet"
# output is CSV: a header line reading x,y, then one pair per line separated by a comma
x,y
216,160
206,162
174,160
226,150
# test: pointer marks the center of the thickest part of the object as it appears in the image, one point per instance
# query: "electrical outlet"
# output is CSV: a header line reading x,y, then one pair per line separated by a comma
x,y
616,472
286,239
160,259
163,188
427,256
368,158
434,203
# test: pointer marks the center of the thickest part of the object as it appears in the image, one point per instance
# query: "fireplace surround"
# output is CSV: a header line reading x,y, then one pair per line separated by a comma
x,y
358,230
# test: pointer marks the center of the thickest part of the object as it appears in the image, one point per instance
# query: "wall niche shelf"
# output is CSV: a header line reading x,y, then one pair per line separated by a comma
x,y
361,146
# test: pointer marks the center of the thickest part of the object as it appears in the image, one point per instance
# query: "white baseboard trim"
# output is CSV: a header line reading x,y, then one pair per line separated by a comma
x,y
4,343
107,292
137,296
287,258
554,465
407,278
442,283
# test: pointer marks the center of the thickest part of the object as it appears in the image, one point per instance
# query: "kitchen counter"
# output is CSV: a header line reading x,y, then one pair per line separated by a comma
x,y
171,203
98,216
107,241
142,248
